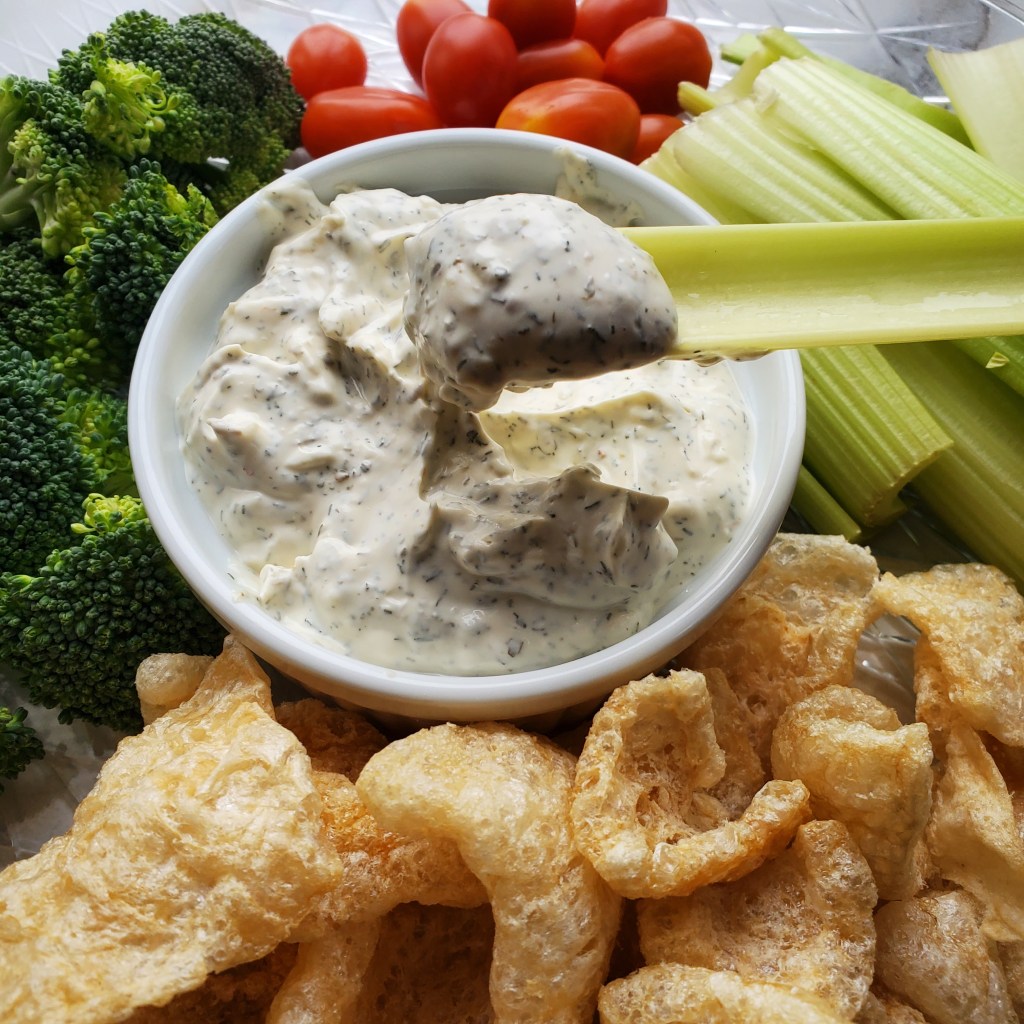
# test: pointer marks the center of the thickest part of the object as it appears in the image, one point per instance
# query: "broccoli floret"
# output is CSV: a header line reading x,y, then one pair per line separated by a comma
x,y
59,446
77,631
232,95
19,744
53,170
124,104
129,254
39,313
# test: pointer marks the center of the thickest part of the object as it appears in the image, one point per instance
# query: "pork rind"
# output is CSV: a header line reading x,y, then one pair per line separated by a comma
x,y
382,868
431,966
882,1007
933,953
674,994
792,628
240,995
503,796
163,681
200,847
645,811
865,769
973,616
803,919
931,696
336,739
327,978
974,836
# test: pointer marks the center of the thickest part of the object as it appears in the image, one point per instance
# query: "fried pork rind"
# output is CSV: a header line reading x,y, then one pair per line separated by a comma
x,y
336,739
644,809
865,769
933,953
974,835
431,967
931,696
327,978
381,868
1011,956
163,681
674,994
503,796
803,919
882,1007
792,628
240,995
973,616
200,847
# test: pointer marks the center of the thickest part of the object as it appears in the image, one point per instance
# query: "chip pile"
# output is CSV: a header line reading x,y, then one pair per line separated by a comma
x,y
745,836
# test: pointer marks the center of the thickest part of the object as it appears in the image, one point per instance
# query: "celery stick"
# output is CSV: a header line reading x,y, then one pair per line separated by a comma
x,y
737,50
744,289
917,171
977,487
663,164
783,44
867,434
696,100
1002,357
992,116
820,510
733,151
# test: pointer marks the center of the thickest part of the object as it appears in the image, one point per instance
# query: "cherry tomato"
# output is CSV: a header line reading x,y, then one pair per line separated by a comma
x,y
578,109
601,21
323,57
344,117
652,57
535,21
564,58
416,22
469,70
654,130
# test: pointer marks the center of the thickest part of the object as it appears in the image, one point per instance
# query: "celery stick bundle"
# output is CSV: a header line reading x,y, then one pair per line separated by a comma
x,y
798,137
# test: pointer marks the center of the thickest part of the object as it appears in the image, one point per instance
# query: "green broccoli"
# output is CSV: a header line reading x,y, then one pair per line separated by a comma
x,y
19,744
124,104
78,629
129,254
58,448
40,313
231,96
51,169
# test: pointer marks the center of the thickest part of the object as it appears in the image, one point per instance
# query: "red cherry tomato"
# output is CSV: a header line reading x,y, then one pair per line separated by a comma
x,y
535,21
652,57
344,117
469,70
564,58
416,22
601,21
578,109
654,130
323,57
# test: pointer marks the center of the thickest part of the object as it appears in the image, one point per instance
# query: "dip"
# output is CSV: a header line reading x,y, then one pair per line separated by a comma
x,y
375,518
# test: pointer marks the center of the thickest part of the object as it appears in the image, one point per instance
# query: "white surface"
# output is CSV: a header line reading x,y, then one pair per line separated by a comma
x,y
451,165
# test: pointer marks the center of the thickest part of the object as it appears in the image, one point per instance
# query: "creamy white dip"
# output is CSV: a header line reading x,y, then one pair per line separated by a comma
x,y
378,520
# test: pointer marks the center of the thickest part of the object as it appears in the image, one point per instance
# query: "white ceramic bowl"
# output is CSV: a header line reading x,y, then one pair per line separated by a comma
x,y
452,165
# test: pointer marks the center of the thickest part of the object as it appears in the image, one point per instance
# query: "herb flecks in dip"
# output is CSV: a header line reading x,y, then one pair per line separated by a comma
x,y
409,532
523,290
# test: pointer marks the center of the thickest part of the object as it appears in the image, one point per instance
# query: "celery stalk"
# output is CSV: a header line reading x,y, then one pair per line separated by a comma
x,y
977,487
732,150
783,44
820,510
865,459
744,289
991,116
915,170
1002,357
663,164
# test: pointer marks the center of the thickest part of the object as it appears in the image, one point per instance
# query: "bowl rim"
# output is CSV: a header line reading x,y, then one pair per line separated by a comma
x,y
418,694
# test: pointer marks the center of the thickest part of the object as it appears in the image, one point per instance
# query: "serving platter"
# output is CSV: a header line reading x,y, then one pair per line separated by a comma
x,y
886,37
